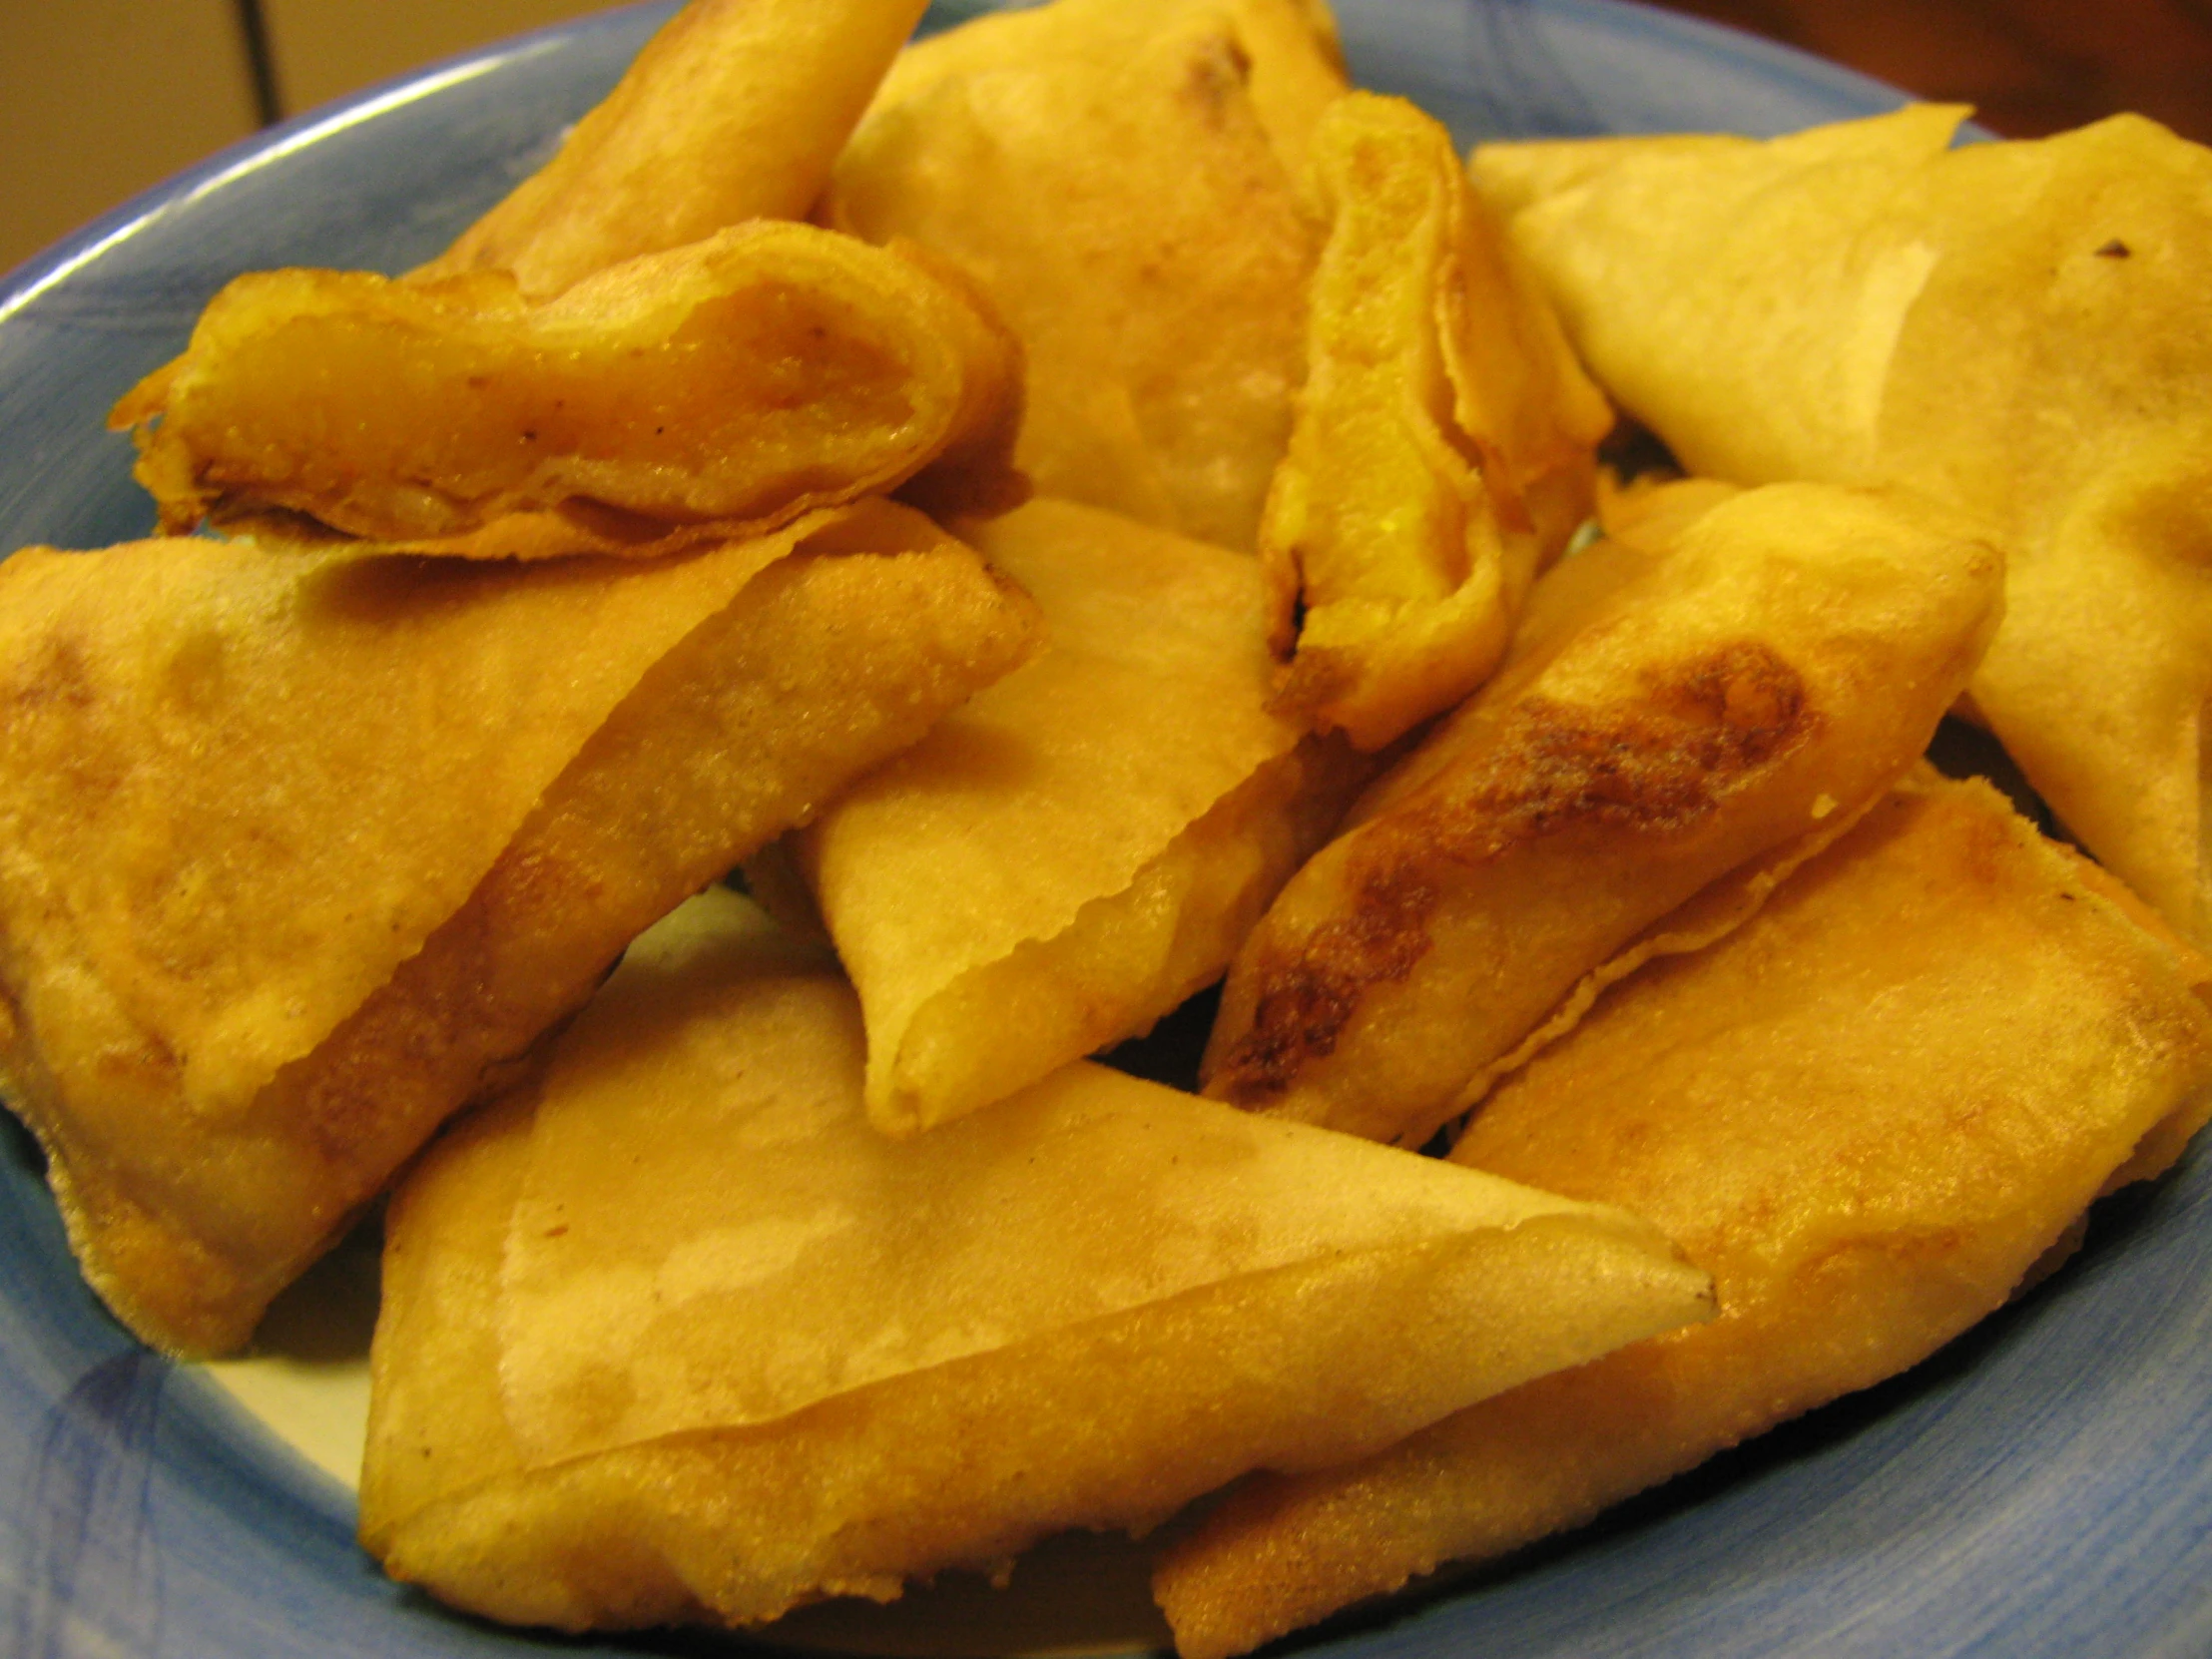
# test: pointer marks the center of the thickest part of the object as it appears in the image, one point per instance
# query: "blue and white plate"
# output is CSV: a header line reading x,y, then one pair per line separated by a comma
x,y
2040,1490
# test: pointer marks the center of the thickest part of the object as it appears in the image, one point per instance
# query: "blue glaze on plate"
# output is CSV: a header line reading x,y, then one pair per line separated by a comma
x,y
2040,1490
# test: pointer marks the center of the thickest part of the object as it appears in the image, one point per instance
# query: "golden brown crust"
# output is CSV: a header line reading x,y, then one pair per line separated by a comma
x,y
1700,733
1669,717
1113,173
1874,1112
700,396
734,110
1868,303
190,1207
1442,450
695,1341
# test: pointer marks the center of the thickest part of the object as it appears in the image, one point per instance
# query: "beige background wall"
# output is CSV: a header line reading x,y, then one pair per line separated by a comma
x,y
101,98
321,49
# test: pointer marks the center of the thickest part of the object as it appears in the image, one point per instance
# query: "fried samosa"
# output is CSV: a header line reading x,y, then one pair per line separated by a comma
x,y
678,1335
298,845
718,389
1679,726
1085,844
1873,1112
2020,328
1120,176
1445,445
734,110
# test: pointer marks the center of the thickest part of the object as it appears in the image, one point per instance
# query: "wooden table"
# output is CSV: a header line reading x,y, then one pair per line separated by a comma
x,y
2028,66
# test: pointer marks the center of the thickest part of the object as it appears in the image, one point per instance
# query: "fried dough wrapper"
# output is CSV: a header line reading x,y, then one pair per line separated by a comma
x,y
681,1336
1085,844
2020,328
1679,730
1771,364
734,110
1121,179
300,845
1873,1112
1445,445
721,388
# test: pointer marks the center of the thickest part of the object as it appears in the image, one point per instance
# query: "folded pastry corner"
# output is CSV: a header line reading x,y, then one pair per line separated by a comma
x,y
694,395
678,1335
1875,1111
734,111
1081,846
1444,448
298,845
1120,176
1674,722
2017,328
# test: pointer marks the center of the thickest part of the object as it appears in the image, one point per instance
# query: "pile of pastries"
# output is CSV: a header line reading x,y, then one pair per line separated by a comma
x,y
1077,508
